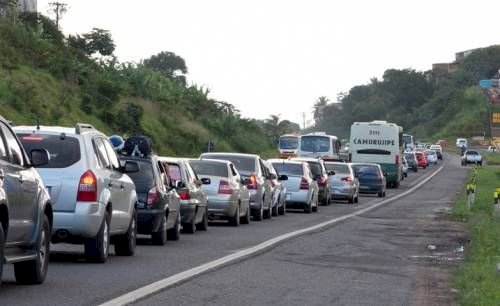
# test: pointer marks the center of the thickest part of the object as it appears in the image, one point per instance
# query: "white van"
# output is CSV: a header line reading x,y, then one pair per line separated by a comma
x,y
319,144
379,142
288,145
461,143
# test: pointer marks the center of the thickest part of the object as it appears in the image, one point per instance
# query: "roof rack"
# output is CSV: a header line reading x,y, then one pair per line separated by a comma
x,y
82,127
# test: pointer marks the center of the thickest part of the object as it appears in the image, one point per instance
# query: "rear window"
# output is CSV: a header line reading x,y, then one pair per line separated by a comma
x,y
338,168
175,172
288,169
144,179
209,168
366,170
409,156
64,150
315,144
315,168
242,163
472,153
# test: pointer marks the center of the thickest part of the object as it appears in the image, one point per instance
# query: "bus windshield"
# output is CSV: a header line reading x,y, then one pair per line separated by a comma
x,y
315,144
289,142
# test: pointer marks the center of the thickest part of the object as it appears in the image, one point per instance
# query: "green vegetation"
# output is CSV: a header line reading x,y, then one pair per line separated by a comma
x,y
492,158
477,279
51,79
428,106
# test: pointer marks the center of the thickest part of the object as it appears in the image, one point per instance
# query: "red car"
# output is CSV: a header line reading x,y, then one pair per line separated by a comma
x,y
421,159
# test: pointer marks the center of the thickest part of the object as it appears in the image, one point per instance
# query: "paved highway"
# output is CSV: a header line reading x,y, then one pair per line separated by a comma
x,y
379,257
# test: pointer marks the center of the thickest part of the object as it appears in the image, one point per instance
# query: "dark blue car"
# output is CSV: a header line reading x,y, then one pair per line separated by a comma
x,y
371,178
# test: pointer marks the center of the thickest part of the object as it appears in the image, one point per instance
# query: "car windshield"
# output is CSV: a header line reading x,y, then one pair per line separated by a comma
x,y
289,143
144,179
338,168
202,167
288,169
315,144
242,163
409,156
64,151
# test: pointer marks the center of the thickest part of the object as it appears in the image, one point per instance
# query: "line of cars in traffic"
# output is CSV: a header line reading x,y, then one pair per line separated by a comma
x,y
79,186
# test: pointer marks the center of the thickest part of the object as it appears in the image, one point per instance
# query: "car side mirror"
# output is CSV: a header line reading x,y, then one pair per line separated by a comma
x,y
130,167
40,157
331,172
283,178
246,181
205,181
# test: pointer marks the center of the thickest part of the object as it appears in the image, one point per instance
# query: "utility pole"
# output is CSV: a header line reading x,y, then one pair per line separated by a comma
x,y
59,9
304,120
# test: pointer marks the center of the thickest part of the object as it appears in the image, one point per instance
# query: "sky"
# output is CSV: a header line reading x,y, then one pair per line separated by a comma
x,y
276,57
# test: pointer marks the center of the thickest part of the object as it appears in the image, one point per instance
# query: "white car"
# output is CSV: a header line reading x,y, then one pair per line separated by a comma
x,y
432,157
461,142
438,149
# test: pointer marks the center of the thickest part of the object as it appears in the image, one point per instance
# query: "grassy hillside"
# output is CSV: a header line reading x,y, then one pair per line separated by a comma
x,y
50,79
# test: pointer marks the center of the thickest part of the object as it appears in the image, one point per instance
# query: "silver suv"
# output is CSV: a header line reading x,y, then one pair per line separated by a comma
x,y
94,200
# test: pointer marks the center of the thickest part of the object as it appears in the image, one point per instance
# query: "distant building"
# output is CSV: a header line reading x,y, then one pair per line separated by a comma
x,y
441,70
23,6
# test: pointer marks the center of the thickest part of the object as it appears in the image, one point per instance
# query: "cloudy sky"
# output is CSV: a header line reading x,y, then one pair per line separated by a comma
x,y
278,56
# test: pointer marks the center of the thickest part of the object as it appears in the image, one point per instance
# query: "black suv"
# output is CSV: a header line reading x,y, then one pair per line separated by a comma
x,y
25,210
158,207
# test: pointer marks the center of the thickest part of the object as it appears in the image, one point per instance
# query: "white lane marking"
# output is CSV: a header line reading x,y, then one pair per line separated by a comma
x,y
170,281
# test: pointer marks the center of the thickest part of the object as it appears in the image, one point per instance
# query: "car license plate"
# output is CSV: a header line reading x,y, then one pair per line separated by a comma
x,y
363,187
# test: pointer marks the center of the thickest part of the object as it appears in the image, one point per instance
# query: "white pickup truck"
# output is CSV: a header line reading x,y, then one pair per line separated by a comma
x,y
472,157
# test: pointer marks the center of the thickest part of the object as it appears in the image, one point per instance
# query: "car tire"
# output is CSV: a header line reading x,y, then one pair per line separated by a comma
x,y
267,213
274,211
203,225
160,237
34,271
357,199
125,244
259,214
97,248
308,208
174,233
351,200
380,194
190,227
415,169
235,219
396,184
282,209
2,242
246,218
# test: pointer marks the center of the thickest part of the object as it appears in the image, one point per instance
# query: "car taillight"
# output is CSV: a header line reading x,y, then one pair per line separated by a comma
x,y
304,184
185,195
346,179
397,159
153,195
87,188
224,187
253,182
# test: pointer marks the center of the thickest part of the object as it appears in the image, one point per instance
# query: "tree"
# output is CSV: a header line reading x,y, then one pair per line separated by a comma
x,y
96,41
169,65
319,106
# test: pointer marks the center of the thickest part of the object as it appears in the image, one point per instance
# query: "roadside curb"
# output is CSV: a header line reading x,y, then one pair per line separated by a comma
x,y
179,278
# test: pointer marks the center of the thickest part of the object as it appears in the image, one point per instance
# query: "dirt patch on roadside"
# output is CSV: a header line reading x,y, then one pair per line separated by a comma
x,y
438,260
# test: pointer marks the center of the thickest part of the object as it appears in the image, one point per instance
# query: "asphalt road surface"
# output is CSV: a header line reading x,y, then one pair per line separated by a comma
x,y
398,254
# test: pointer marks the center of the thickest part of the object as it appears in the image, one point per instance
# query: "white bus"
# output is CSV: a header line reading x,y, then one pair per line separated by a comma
x,y
408,142
288,145
379,142
319,144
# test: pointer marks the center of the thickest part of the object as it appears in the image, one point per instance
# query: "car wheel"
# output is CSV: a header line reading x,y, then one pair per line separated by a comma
x,y
34,271
383,194
308,208
356,200
125,244
267,213
246,218
190,227
380,194
2,238
174,233
97,248
235,220
282,209
351,200
203,225
160,237
259,214
415,169
274,211
396,184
